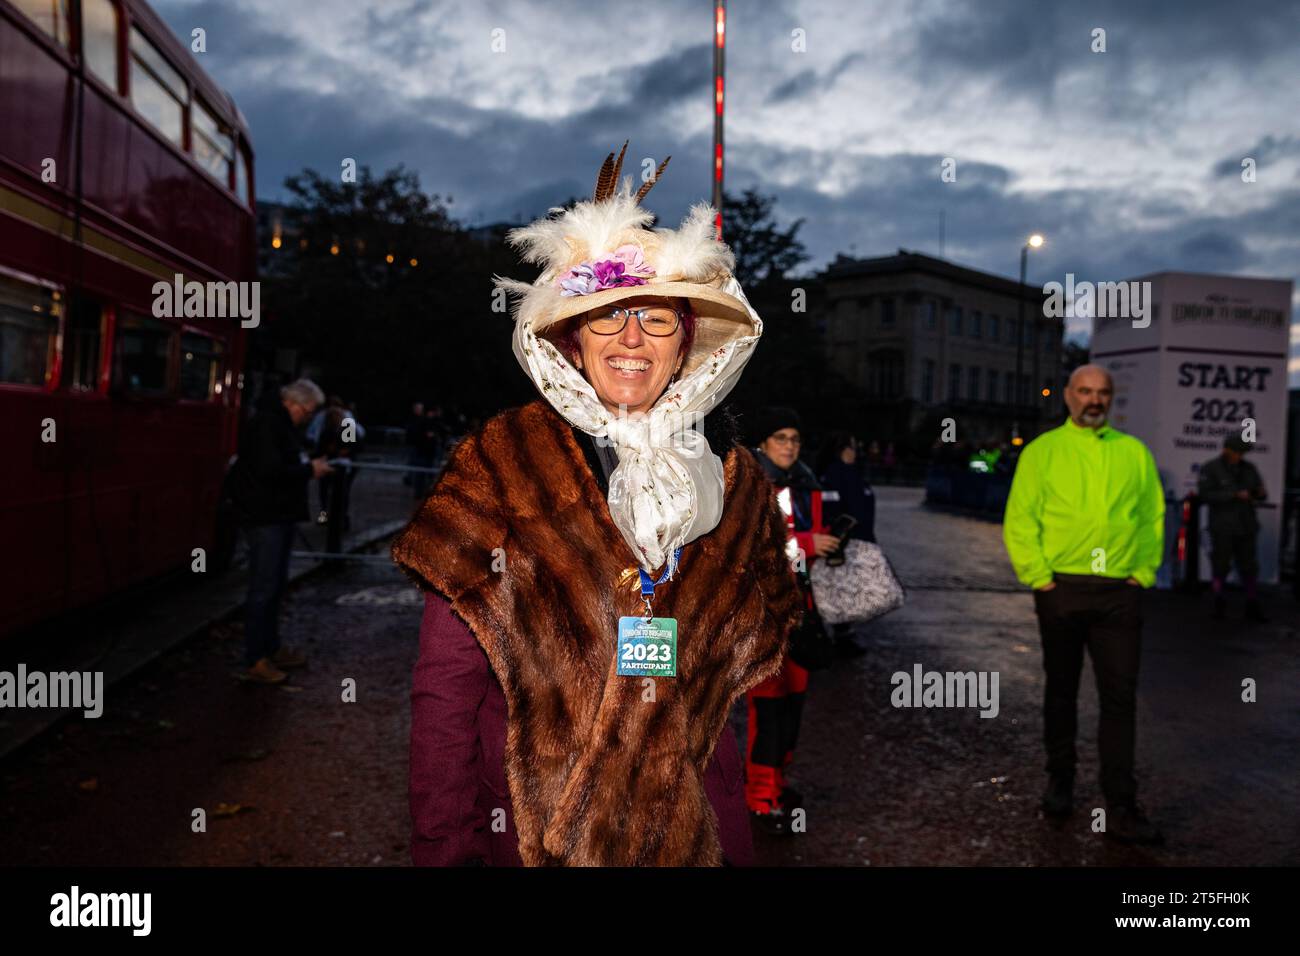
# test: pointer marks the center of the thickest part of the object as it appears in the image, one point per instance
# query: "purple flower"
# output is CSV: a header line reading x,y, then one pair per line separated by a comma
x,y
634,262
627,267
578,281
609,273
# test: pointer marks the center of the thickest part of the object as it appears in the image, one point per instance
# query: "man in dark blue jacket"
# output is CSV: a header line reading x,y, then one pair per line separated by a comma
x,y
268,487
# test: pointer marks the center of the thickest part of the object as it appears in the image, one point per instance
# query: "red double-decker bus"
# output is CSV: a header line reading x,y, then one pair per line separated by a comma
x,y
121,165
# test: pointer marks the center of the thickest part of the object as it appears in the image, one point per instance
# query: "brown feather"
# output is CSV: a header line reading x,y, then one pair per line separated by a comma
x,y
649,184
604,179
618,170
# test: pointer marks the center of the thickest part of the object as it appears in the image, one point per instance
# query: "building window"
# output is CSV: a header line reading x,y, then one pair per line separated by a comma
x,y
885,374
1009,388
954,382
157,91
976,324
887,313
202,366
142,357
993,385
973,384
931,315
82,338
954,320
213,143
52,16
927,380
995,333
1012,326
99,39
29,330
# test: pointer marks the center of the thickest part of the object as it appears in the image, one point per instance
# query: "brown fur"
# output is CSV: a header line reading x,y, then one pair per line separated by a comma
x,y
597,775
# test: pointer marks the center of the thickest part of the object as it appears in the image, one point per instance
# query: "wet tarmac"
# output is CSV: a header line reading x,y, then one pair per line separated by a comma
x,y
297,775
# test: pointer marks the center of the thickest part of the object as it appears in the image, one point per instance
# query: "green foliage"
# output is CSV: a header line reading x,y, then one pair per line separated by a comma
x,y
763,252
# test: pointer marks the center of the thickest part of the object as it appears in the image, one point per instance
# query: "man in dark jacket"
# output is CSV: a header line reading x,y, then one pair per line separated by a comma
x,y
268,486
1230,486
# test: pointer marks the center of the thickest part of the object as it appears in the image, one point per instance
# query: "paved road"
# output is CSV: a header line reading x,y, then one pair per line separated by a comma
x,y
891,786
297,776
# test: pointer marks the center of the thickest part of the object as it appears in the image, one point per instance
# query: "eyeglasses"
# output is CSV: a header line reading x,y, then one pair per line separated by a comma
x,y
654,320
786,440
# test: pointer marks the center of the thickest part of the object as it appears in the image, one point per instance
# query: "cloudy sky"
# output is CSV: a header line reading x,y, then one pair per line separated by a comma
x,y
1128,160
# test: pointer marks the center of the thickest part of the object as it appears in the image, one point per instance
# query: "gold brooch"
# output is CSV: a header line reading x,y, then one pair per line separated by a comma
x,y
628,575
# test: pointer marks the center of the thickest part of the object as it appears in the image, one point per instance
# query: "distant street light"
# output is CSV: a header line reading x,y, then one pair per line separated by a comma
x,y
1033,242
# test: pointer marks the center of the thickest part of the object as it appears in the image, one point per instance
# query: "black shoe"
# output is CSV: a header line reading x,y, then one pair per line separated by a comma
x,y
791,799
1220,608
776,822
1254,613
1127,823
1058,798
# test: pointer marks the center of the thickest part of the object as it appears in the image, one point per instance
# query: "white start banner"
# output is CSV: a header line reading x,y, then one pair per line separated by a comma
x,y
1211,362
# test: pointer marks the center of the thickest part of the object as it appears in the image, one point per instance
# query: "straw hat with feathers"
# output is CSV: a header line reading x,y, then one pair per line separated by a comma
x,y
668,487
688,262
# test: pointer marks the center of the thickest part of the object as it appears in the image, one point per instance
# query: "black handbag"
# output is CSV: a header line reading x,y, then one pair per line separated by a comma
x,y
811,645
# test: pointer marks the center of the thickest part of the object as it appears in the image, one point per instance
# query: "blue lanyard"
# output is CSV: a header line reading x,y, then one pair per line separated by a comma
x,y
648,586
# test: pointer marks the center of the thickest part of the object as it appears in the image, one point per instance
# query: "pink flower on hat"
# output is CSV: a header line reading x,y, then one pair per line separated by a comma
x,y
625,267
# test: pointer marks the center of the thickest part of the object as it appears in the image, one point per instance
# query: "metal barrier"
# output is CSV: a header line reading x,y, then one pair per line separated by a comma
x,y
375,491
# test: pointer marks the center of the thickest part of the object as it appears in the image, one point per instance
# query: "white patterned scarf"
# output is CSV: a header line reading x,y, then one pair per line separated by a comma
x,y
667,489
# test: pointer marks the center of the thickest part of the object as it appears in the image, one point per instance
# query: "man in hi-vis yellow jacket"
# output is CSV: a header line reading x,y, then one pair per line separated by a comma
x,y
1084,527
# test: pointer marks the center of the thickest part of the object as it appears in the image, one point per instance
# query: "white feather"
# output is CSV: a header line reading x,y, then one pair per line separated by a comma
x,y
589,229
691,251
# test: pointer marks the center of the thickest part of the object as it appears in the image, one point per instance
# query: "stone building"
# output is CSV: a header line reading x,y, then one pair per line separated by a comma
x,y
927,339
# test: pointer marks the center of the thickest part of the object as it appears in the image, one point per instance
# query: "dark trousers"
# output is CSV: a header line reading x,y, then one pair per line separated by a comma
x,y
1103,615
268,572
1227,547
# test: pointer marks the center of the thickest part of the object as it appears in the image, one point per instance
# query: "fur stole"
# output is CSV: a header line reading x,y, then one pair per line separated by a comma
x,y
603,770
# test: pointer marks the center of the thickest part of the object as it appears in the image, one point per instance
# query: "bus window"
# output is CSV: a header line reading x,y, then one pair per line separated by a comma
x,y
142,357
241,179
82,335
202,367
214,147
29,329
99,39
52,16
157,91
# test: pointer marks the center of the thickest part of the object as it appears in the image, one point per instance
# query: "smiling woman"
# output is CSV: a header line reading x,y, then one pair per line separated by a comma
x,y
630,362
553,694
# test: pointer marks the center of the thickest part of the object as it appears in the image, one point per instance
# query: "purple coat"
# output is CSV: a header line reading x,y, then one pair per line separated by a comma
x,y
458,742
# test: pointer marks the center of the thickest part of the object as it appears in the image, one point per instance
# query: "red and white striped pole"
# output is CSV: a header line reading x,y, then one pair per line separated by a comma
x,y
719,55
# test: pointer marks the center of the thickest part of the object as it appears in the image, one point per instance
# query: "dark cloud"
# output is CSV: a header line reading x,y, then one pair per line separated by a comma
x,y
1026,58
1266,151
807,82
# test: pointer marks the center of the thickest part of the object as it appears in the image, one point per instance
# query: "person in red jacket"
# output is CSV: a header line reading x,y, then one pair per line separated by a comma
x,y
776,704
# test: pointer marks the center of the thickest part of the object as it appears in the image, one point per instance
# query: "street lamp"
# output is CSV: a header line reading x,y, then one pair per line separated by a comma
x,y
1033,242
